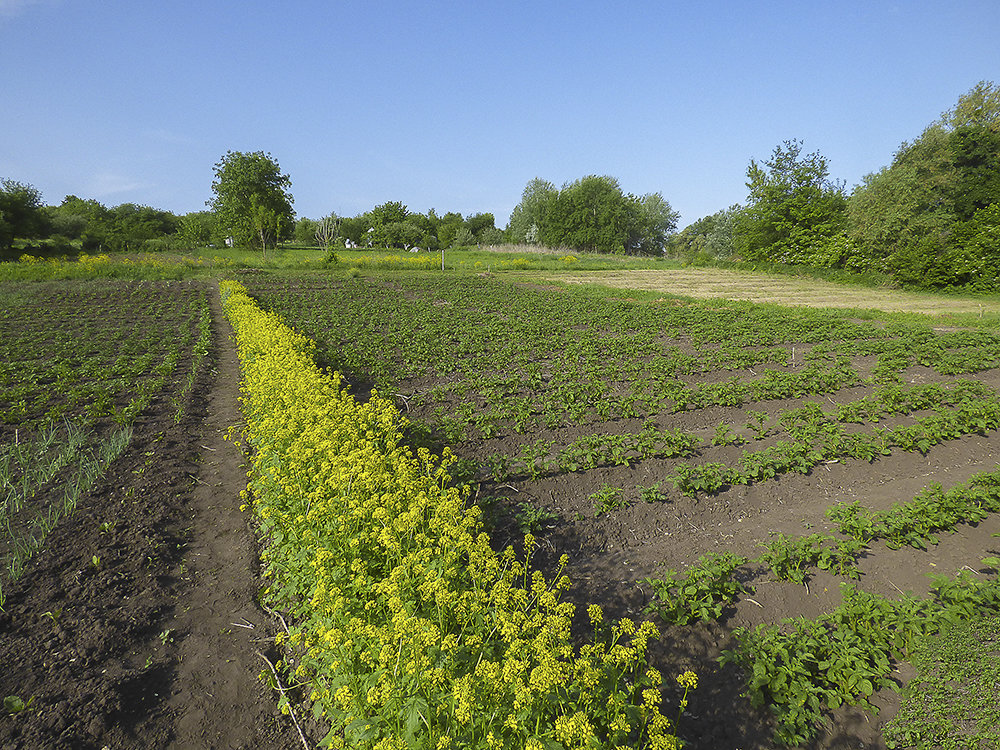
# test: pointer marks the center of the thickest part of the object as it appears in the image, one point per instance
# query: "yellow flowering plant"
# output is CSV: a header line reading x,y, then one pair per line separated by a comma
x,y
410,629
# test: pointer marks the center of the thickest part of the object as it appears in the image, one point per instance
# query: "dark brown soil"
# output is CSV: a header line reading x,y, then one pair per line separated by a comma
x,y
137,625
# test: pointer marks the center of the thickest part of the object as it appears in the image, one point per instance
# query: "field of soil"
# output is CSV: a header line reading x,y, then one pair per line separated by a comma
x,y
138,624
611,552
609,555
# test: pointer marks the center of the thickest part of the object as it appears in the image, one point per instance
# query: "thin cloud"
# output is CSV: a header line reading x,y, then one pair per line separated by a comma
x,y
109,183
12,8
167,136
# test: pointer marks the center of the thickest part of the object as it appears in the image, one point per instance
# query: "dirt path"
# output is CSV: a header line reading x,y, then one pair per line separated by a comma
x,y
222,634
708,283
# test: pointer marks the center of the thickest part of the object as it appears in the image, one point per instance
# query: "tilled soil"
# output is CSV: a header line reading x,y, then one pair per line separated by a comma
x,y
138,626
612,552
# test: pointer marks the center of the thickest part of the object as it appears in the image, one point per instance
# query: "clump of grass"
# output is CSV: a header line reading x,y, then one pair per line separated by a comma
x,y
952,702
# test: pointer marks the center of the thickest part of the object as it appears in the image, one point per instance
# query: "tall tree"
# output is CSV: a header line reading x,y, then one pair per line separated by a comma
x,y
653,221
905,203
448,228
197,229
531,214
386,224
975,152
85,219
919,218
480,223
792,206
590,215
979,107
252,199
21,215
305,231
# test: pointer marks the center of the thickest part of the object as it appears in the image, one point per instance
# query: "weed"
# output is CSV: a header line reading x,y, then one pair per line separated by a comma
x,y
952,700
13,704
532,519
607,498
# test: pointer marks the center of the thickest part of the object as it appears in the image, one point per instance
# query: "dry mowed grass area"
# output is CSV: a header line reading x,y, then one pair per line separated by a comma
x,y
709,283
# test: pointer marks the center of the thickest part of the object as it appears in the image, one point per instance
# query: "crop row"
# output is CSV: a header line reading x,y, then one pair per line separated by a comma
x,y
481,357
72,416
810,436
103,360
410,629
817,437
801,668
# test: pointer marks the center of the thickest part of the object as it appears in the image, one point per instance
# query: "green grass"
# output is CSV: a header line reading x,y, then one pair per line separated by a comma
x,y
952,702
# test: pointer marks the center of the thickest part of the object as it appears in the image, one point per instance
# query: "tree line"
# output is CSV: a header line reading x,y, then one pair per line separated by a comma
x,y
252,207
78,224
931,218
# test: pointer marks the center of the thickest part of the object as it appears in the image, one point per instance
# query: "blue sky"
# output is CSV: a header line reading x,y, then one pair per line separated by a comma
x,y
457,105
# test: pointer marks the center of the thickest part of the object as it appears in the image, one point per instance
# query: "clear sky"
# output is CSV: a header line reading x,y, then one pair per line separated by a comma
x,y
457,105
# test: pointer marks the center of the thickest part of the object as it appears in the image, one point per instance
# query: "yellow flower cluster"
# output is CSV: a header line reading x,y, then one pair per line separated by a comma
x,y
416,260
411,629
144,265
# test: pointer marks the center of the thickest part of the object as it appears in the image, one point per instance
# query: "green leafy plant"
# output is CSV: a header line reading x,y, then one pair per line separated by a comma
x,y
653,493
13,704
701,593
702,478
791,558
724,435
607,498
802,668
757,424
533,519
952,700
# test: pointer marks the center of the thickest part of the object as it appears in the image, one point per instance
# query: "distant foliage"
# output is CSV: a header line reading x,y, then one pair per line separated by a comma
x,y
793,206
592,214
253,202
930,219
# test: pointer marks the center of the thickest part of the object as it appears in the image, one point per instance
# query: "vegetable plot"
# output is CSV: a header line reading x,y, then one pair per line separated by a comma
x,y
410,629
643,437
78,365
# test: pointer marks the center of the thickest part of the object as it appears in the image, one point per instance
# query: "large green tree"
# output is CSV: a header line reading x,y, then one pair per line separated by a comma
x,y
926,217
589,215
710,237
531,214
793,206
592,214
252,200
448,228
197,229
975,152
652,223
21,214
